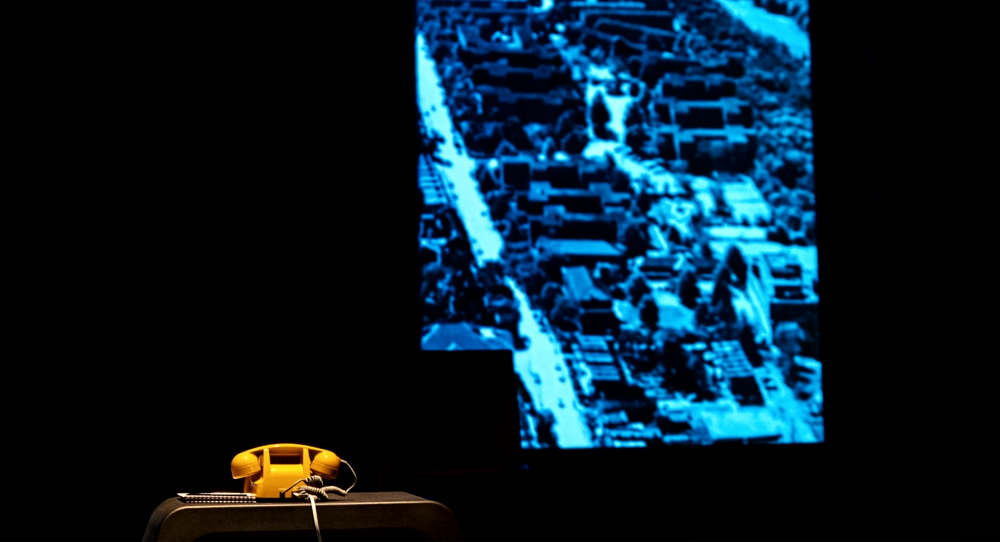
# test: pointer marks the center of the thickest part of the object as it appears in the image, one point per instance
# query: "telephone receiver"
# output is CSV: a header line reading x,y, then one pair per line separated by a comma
x,y
272,471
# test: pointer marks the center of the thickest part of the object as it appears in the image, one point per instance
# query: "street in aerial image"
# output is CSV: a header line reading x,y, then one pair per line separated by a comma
x,y
622,194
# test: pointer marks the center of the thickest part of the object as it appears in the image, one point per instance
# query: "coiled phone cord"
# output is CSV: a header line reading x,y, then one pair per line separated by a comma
x,y
314,488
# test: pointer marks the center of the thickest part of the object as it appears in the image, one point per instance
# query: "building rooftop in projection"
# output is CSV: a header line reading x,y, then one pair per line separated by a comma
x,y
463,336
578,247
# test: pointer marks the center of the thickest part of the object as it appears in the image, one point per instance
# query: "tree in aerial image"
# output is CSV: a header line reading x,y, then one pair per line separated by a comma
x,y
688,289
545,429
499,204
529,275
704,316
649,314
637,289
549,148
600,115
620,181
636,240
705,250
644,201
575,142
637,138
506,148
486,178
434,292
566,124
749,343
549,295
635,116
722,296
487,140
490,276
566,315
735,262
788,337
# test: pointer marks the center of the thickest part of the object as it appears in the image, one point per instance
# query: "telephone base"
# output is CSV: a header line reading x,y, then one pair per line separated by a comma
x,y
384,512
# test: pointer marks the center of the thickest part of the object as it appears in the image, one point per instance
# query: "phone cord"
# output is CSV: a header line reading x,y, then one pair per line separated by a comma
x,y
314,488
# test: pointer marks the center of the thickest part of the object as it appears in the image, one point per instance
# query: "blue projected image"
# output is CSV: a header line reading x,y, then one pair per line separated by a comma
x,y
622,193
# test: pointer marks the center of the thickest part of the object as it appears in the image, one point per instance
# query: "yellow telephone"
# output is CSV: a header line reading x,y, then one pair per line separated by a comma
x,y
272,472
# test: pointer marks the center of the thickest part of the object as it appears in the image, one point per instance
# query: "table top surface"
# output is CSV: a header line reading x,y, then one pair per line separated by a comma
x,y
388,497
175,519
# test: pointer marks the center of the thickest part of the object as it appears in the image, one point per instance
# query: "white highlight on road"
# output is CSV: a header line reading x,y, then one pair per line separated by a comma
x,y
459,176
547,5
662,180
779,27
544,358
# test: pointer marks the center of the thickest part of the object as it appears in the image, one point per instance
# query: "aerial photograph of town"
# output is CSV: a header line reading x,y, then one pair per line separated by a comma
x,y
622,194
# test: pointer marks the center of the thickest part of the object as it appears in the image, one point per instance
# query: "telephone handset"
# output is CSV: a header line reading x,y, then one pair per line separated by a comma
x,y
276,470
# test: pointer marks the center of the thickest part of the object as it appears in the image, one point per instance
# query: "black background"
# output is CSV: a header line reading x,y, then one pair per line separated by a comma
x,y
211,228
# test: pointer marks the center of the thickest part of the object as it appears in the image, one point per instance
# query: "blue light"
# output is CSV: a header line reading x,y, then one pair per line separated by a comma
x,y
624,196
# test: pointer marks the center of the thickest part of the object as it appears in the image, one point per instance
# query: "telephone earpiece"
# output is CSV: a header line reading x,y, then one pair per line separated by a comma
x,y
244,465
326,465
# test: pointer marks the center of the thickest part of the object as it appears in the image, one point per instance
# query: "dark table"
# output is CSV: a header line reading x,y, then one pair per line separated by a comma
x,y
358,516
